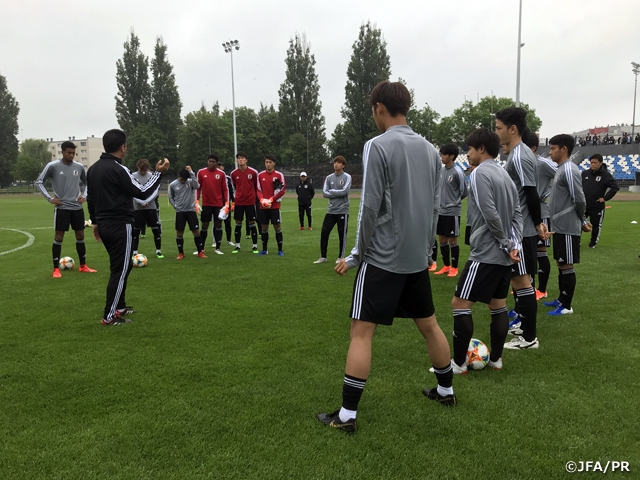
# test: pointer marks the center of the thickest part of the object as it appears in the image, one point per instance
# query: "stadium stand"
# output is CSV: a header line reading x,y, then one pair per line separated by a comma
x,y
622,167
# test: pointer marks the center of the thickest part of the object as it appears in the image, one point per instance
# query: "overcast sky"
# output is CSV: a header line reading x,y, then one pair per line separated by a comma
x,y
59,57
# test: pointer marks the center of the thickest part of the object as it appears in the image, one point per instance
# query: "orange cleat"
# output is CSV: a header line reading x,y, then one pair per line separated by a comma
x,y
180,256
202,255
309,228
433,267
85,269
56,273
540,295
453,272
301,228
443,270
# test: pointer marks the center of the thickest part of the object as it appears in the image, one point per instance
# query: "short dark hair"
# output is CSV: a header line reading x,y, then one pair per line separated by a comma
x,y
529,138
143,162
482,137
184,173
393,95
596,156
340,159
113,139
66,145
513,116
450,149
241,154
214,156
270,156
563,140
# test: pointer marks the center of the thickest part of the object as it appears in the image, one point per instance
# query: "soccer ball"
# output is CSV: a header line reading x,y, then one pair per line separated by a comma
x,y
477,355
139,260
66,263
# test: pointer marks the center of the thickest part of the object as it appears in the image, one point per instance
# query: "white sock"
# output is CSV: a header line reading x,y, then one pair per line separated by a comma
x,y
444,391
158,252
255,245
135,252
348,414
237,245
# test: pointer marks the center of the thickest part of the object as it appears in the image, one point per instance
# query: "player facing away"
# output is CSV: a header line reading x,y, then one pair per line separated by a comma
x,y
271,189
245,183
182,198
522,167
305,192
599,187
567,207
399,207
493,214
215,196
66,177
336,189
146,211
232,200
452,192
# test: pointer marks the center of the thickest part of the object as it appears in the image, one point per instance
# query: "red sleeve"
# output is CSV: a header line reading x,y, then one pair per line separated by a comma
x,y
281,193
259,188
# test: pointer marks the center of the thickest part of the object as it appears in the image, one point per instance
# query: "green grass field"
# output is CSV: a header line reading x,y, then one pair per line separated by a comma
x,y
229,359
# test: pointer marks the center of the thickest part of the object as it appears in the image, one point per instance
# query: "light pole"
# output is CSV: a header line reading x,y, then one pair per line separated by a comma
x,y
520,45
228,48
636,71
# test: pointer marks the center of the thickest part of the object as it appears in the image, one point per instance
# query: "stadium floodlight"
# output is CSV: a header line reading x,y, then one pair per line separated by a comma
x,y
228,48
520,45
635,70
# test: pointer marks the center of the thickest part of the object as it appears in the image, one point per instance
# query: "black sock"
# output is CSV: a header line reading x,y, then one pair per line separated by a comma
x,y
499,329
180,242
444,251
279,240
434,252
81,248
136,239
56,251
197,239
561,295
568,286
544,269
455,253
265,239
515,300
238,233
254,234
227,230
444,375
528,310
157,238
462,334
217,235
204,233
352,389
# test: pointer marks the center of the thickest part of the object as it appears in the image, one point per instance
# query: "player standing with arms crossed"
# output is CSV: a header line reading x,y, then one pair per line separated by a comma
x,y
245,183
271,189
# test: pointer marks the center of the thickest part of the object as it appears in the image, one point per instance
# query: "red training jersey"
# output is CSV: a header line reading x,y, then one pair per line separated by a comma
x,y
213,185
246,184
271,185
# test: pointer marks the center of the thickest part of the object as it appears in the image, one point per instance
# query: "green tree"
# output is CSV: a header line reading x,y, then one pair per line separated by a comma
x,y
270,120
203,133
134,93
34,155
9,110
300,109
424,121
147,141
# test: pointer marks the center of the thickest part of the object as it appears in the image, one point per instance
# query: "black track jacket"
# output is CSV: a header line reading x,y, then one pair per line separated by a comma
x,y
595,185
305,193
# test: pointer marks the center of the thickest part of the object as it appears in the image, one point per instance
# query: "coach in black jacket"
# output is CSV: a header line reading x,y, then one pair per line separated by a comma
x,y
599,186
305,193
110,192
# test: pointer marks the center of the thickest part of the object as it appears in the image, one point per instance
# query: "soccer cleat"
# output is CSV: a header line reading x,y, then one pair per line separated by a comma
x,y
321,260
592,245
519,343
280,253
202,255
553,303
513,315
218,252
556,312
85,269
141,236
497,365
515,327
236,250
443,270
453,272
230,243
301,228
338,261
159,255
196,252
181,256
263,252
125,311
433,267
213,244
56,273
247,236
333,420
540,295
309,228
255,250
446,400
115,321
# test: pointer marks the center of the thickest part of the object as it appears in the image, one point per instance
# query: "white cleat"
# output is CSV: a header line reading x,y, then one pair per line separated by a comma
x,y
321,260
519,343
497,365
218,252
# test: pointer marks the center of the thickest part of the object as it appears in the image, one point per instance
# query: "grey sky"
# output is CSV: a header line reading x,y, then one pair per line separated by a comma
x,y
59,57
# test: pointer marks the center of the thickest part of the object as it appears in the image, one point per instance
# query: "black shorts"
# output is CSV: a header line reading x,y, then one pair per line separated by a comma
x,y
380,296
182,218
528,264
63,218
271,215
566,248
209,213
547,242
480,282
448,226
146,217
241,211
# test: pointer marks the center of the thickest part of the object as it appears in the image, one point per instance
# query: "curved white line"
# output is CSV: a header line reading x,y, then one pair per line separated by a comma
x,y
30,240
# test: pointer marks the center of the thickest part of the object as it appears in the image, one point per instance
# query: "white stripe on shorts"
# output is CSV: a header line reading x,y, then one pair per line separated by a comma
x,y
468,282
359,289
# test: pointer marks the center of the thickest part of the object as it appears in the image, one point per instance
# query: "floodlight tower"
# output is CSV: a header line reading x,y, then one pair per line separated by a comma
x,y
635,70
228,48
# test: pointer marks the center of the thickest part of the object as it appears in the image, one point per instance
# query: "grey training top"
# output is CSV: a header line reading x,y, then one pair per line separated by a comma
x,y
149,202
493,215
66,180
546,171
399,204
336,189
182,196
567,203
522,167
452,191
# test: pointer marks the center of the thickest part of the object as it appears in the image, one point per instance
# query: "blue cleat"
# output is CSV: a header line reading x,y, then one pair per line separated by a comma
x,y
263,252
513,315
556,312
280,253
553,303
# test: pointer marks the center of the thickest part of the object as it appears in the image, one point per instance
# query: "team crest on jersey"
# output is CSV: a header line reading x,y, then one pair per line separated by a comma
x,y
450,178
598,179
217,176
75,173
249,176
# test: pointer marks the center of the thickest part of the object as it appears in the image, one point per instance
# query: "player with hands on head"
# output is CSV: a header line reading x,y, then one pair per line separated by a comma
x,y
182,198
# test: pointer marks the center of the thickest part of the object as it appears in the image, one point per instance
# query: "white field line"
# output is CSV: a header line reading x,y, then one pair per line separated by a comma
x,y
30,239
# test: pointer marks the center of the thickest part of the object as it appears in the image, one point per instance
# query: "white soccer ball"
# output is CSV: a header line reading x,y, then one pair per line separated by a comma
x,y
139,260
477,355
66,263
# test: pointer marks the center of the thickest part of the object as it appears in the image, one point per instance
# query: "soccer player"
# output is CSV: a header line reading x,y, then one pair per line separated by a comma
x,y
599,187
336,189
245,183
271,189
396,226
181,197
452,192
522,167
146,211
66,177
567,207
305,193
110,192
494,216
215,195
232,199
